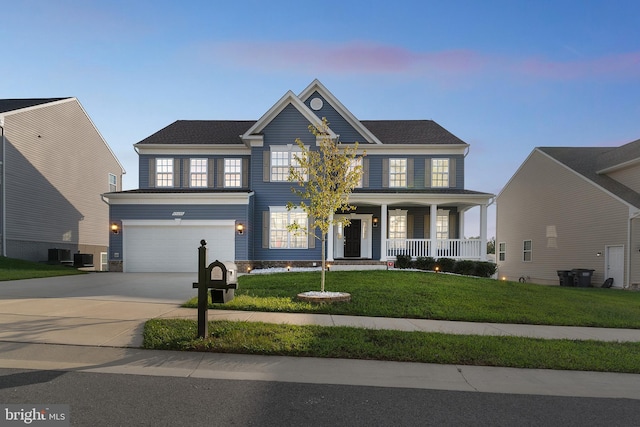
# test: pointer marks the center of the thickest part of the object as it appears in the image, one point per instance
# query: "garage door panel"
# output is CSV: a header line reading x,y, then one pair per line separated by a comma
x,y
173,247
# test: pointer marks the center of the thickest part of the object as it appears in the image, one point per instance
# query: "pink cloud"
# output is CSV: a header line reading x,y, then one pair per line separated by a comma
x,y
370,58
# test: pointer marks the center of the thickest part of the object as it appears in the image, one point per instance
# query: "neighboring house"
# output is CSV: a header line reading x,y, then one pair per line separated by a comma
x,y
226,182
55,167
572,208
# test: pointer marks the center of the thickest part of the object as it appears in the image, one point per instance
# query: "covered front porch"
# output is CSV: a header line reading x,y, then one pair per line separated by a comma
x,y
413,224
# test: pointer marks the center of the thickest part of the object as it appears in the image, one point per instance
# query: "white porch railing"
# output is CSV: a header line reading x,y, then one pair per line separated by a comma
x,y
445,248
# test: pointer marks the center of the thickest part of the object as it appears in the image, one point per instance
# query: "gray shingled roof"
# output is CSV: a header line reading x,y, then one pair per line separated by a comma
x,y
229,131
7,105
586,161
622,154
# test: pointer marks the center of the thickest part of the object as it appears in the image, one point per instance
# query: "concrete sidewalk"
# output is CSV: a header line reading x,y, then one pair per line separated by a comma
x,y
96,326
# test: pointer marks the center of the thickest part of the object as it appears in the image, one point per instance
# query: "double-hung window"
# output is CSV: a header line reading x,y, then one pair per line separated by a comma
x,y
279,235
283,158
113,183
440,173
527,251
502,251
232,173
198,173
397,227
397,172
354,164
164,172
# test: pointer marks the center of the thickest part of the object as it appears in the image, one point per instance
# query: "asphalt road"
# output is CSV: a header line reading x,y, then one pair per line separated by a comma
x,y
125,400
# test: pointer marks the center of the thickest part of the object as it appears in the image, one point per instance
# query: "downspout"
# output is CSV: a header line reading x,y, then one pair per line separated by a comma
x,y
4,190
627,283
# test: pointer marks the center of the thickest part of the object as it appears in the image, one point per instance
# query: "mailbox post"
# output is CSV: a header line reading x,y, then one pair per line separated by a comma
x,y
221,278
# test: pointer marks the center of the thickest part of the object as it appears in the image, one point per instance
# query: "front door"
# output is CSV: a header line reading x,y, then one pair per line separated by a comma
x,y
352,240
614,258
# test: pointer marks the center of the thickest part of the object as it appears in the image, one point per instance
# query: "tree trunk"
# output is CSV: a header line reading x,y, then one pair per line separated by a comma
x,y
324,262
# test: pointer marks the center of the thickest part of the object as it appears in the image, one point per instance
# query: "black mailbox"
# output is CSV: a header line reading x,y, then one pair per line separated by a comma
x,y
222,279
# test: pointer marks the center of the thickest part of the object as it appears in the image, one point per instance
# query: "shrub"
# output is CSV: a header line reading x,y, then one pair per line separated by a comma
x,y
485,269
403,261
446,264
425,263
466,267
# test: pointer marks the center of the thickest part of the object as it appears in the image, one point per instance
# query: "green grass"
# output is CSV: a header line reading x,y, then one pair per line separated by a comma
x,y
409,294
355,343
15,269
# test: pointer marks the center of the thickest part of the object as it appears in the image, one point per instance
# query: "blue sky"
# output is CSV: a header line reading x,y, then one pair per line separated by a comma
x,y
504,76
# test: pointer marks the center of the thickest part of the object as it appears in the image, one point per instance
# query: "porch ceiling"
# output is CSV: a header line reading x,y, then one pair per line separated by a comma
x,y
461,201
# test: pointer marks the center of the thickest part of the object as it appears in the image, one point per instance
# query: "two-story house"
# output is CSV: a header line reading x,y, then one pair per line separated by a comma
x,y
572,208
55,167
226,182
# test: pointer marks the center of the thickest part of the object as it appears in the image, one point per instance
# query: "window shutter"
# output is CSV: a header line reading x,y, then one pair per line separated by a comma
x,y
265,230
266,175
210,174
427,227
152,173
427,173
410,173
176,172
245,173
385,173
186,166
365,172
453,225
311,234
220,173
452,172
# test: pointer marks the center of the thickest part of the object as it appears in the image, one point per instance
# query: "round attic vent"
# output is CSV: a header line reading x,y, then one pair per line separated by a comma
x,y
316,104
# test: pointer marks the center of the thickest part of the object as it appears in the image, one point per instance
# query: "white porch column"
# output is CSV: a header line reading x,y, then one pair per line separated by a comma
x,y
483,232
330,241
433,230
383,232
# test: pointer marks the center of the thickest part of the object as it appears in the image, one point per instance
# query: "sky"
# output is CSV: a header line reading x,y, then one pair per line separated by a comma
x,y
504,76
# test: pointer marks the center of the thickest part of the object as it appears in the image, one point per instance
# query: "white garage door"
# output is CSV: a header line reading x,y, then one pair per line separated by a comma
x,y
172,246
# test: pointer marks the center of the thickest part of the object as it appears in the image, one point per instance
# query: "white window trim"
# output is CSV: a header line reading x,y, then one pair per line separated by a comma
x,y
291,150
113,187
434,173
226,173
171,173
529,251
205,173
283,209
502,250
406,177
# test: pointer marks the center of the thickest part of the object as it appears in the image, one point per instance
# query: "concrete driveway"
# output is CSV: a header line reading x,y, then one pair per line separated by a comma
x,y
99,309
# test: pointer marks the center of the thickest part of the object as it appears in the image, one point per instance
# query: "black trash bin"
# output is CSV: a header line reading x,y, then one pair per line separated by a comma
x,y
582,277
566,277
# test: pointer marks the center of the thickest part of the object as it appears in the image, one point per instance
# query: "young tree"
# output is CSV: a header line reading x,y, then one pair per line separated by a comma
x,y
325,177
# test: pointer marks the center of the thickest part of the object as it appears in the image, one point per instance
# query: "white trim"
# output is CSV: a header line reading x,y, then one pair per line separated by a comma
x,y
419,199
339,107
174,223
618,166
206,198
288,99
192,149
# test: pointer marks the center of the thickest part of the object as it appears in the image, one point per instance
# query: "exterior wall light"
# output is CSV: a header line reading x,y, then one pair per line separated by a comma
x,y
240,228
374,221
115,228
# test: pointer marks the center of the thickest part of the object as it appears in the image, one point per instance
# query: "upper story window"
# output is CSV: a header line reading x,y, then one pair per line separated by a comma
x,y
233,173
198,173
113,183
354,164
527,251
282,158
279,235
397,172
164,172
440,172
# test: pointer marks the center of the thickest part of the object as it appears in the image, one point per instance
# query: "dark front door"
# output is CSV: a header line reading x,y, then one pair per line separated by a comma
x,y
352,239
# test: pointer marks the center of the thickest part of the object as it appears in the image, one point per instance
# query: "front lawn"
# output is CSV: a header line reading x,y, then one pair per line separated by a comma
x,y
411,294
16,269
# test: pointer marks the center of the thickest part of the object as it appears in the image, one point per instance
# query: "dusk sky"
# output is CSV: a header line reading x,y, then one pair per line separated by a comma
x,y
504,76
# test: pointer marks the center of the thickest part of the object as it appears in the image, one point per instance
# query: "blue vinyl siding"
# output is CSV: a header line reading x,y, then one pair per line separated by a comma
x,y
181,177
191,212
337,123
376,171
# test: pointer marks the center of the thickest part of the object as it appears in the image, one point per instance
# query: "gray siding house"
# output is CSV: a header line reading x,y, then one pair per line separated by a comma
x,y
55,167
572,208
226,182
